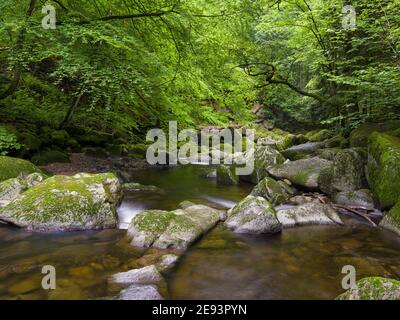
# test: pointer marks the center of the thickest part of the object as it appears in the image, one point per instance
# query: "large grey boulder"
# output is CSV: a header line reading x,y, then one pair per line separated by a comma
x,y
276,192
304,173
345,174
373,288
308,214
264,157
253,215
172,229
360,198
63,203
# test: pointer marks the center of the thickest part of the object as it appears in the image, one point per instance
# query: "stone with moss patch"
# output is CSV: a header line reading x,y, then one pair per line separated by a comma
x,y
321,135
308,214
264,157
384,169
172,229
345,174
13,167
304,173
391,220
253,215
373,288
301,151
277,192
360,198
226,175
65,203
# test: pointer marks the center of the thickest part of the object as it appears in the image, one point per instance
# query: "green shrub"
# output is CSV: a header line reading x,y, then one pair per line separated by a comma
x,y
8,142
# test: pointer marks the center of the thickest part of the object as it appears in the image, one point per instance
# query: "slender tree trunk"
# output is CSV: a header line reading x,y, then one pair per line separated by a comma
x,y
71,111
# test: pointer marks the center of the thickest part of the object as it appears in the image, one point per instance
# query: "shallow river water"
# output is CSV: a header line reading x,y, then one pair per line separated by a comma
x,y
300,263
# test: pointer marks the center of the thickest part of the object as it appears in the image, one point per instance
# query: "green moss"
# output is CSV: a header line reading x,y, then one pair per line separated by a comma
x,y
153,221
373,288
13,167
384,168
321,136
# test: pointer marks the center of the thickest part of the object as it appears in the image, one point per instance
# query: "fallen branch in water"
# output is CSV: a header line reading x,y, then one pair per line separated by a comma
x,y
352,210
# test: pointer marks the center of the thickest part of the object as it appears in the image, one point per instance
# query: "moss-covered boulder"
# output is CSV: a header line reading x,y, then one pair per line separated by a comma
x,y
264,157
226,175
50,156
320,136
301,151
391,221
373,288
253,215
59,138
304,173
337,141
308,214
360,198
276,138
276,192
65,203
384,169
345,174
172,229
360,136
328,154
13,167
10,189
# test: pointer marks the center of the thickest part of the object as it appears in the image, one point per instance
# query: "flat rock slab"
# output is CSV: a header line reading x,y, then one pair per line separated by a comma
x,y
172,229
308,214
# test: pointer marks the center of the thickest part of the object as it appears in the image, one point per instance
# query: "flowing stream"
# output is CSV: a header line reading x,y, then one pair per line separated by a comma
x,y
300,263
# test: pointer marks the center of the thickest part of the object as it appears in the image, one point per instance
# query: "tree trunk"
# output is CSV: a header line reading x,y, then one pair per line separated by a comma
x,y
71,111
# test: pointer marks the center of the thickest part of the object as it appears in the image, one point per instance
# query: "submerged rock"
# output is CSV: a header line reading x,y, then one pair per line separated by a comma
x,y
65,203
304,173
391,221
146,275
373,288
308,214
226,175
264,157
277,192
345,174
13,168
137,187
253,215
383,170
359,198
172,229
140,292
